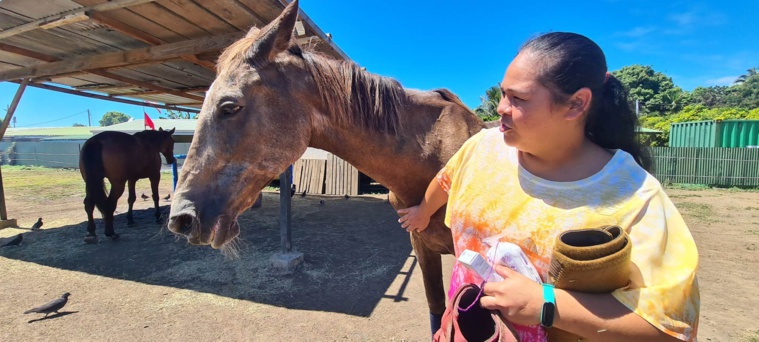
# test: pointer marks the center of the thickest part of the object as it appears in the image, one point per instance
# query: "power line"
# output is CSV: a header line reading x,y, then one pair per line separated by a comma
x,y
46,122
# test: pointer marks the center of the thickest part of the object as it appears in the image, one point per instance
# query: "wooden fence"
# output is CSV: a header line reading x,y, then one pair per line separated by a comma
x,y
710,166
332,176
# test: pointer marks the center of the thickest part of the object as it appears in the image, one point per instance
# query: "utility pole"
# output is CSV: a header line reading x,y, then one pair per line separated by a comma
x,y
89,118
14,122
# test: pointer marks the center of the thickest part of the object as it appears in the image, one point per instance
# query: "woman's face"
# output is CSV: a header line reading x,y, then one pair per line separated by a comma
x,y
530,121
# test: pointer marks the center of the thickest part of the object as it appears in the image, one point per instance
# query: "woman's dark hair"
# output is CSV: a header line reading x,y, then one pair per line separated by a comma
x,y
569,62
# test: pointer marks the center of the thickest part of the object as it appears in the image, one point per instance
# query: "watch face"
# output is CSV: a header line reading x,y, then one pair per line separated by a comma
x,y
547,314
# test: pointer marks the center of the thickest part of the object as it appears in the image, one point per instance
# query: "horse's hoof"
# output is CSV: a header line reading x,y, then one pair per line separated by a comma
x,y
90,239
114,237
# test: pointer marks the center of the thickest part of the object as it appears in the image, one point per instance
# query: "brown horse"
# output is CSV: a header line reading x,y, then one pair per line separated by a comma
x,y
121,158
271,100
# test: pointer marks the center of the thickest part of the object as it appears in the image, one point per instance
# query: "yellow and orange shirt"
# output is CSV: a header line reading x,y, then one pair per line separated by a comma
x,y
492,198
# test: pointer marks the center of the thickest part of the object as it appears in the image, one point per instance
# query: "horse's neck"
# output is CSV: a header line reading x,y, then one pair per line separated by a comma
x,y
148,145
404,162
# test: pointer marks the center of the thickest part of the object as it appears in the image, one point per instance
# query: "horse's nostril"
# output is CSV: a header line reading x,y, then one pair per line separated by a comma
x,y
181,224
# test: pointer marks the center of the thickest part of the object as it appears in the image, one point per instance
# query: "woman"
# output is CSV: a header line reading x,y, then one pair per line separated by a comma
x,y
565,157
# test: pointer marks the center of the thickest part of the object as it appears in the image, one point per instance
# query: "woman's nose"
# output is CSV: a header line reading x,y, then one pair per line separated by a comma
x,y
504,107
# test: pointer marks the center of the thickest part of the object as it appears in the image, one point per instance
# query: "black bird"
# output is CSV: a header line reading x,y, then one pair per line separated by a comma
x,y
15,241
292,190
321,202
347,196
51,307
303,194
37,225
144,198
167,197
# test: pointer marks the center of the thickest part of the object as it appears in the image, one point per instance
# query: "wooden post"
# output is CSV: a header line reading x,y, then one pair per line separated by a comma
x,y
285,210
4,221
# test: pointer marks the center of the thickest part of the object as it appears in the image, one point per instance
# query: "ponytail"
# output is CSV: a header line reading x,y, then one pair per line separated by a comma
x,y
612,124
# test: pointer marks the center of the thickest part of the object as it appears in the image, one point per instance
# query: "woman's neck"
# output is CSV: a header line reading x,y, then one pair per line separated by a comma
x,y
570,162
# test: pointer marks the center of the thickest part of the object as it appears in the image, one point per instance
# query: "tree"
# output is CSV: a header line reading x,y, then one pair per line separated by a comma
x,y
170,114
488,108
76,124
112,118
746,93
655,91
710,97
744,77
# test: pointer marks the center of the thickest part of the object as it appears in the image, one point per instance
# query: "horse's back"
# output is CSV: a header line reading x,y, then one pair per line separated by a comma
x,y
120,153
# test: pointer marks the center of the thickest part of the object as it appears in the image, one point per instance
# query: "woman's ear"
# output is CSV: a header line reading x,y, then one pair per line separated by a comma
x,y
579,103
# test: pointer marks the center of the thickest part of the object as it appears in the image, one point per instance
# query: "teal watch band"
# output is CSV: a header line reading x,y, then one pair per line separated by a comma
x,y
548,312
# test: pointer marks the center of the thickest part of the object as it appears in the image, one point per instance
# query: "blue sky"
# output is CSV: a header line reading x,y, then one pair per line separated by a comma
x,y
465,46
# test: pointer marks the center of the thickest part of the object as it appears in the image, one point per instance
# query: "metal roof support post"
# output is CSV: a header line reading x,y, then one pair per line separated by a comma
x,y
287,260
4,221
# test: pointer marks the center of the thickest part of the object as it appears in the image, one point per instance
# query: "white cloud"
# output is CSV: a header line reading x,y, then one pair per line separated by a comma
x,y
684,22
684,19
637,32
721,81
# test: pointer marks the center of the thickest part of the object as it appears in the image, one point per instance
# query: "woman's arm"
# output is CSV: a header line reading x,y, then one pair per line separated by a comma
x,y
595,316
602,317
418,217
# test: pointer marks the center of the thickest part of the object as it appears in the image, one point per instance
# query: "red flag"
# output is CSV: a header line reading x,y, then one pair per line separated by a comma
x,y
148,122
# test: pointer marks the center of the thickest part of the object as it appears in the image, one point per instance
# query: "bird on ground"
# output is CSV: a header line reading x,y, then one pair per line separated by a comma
x,y
51,307
167,197
347,196
292,190
303,194
37,225
321,202
15,241
144,198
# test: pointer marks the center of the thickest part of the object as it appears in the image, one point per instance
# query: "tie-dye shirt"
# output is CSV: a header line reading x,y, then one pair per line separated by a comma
x,y
492,198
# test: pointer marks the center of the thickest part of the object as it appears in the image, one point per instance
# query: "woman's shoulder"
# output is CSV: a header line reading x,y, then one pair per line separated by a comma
x,y
624,171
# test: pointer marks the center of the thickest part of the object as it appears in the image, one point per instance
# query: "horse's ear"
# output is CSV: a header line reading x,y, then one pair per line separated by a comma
x,y
276,36
160,129
172,131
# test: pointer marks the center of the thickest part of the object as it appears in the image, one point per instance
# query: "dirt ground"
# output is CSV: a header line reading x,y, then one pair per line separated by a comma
x,y
359,282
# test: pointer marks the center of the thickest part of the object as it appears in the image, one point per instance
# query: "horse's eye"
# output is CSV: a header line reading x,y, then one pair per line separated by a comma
x,y
230,108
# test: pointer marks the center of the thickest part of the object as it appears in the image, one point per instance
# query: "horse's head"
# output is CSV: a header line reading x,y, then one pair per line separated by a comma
x,y
255,121
166,144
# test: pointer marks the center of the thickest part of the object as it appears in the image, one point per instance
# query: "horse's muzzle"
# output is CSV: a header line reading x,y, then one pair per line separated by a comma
x,y
182,223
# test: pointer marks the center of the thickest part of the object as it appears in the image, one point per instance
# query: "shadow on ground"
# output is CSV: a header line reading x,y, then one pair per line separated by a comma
x,y
354,249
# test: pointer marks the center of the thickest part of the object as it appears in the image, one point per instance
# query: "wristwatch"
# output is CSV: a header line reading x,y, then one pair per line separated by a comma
x,y
549,306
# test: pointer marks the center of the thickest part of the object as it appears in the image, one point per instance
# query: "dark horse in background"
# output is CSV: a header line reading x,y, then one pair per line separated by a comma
x,y
272,99
121,158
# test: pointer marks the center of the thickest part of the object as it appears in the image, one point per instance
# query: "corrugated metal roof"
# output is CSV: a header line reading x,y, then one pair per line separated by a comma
x,y
133,50
49,132
183,126
647,130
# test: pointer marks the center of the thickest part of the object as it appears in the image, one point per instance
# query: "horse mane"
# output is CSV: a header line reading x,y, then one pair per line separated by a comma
x,y
151,135
351,94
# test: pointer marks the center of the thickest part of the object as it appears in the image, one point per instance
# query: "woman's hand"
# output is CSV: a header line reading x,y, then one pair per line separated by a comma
x,y
518,298
413,219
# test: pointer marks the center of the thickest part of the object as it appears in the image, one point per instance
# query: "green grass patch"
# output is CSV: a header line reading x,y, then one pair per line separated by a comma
x,y
752,336
698,210
48,183
681,186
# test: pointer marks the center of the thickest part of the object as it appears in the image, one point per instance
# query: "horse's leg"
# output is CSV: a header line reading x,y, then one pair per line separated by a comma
x,y
431,265
131,199
154,180
89,207
117,189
